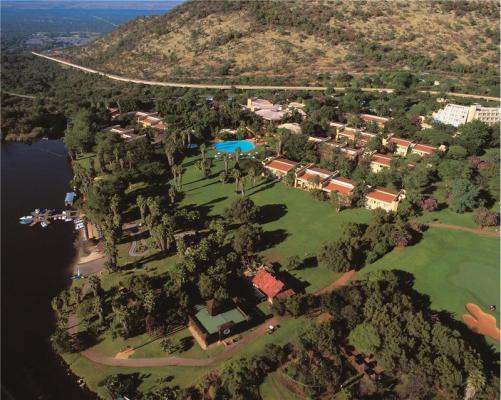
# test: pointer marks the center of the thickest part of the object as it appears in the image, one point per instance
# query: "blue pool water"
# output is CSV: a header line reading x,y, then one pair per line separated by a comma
x,y
230,146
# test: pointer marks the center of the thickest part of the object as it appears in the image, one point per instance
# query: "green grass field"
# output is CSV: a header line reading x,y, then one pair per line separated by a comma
x,y
453,268
295,223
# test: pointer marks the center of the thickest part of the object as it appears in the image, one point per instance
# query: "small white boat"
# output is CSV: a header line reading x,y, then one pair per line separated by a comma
x,y
44,224
27,219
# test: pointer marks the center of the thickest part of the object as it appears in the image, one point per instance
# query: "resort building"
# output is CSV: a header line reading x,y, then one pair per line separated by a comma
x,y
350,152
355,136
455,114
294,127
423,149
311,177
379,162
215,321
127,134
152,121
114,112
337,127
384,198
139,115
270,286
380,121
402,146
279,167
342,186
273,112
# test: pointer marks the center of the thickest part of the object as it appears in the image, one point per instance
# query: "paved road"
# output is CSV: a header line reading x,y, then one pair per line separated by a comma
x,y
244,87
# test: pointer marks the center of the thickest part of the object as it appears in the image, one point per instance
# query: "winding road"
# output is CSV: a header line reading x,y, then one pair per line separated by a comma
x,y
243,87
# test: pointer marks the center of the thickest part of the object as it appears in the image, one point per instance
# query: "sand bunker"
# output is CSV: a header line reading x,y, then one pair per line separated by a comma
x,y
481,322
124,355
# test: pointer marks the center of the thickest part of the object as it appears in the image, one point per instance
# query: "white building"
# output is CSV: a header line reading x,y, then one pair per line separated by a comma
x,y
455,115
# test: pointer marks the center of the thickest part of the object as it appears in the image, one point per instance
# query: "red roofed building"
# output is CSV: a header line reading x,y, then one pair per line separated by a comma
x,y
279,167
311,177
379,162
402,146
423,149
380,121
270,286
387,199
342,186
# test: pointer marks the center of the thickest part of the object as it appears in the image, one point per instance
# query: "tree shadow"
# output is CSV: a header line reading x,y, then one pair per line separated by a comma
x,y
270,239
263,186
309,262
271,212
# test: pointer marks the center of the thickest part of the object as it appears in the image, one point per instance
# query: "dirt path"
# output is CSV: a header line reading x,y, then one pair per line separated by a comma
x,y
478,231
244,87
229,351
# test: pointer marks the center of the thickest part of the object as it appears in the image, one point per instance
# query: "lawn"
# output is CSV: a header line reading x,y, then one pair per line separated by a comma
x,y
273,389
293,222
453,268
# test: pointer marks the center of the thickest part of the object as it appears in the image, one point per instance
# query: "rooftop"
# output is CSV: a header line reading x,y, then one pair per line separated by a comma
x,y
383,194
267,283
211,323
281,164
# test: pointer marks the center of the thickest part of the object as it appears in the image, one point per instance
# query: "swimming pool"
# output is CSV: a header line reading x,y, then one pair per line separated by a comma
x,y
230,146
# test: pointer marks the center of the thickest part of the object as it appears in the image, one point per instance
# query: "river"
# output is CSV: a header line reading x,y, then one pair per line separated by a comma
x,y
36,266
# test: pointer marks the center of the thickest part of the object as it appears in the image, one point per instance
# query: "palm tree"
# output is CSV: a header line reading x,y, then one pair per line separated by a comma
x,y
141,203
225,159
116,153
172,194
223,176
280,138
243,185
316,180
252,175
129,157
238,152
236,174
170,150
202,150
98,306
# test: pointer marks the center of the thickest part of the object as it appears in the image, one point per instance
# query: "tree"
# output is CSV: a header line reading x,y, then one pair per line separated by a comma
x,y
365,338
95,285
238,152
429,204
79,136
293,263
485,217
121,385
202,150
61,340
457,152
172,194
246,239
141,204
237,175
474,136
98,307
242,210
463,196
335,201
168,345
474,384
451,170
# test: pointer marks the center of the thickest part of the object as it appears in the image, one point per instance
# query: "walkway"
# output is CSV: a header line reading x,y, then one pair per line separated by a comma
x,y
229,351
477,231
244,87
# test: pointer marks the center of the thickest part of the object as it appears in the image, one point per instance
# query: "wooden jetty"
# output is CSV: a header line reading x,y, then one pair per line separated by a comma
x,y
47,216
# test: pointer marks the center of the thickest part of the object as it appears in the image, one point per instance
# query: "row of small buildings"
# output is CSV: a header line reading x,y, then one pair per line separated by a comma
x,y
310,177
145,120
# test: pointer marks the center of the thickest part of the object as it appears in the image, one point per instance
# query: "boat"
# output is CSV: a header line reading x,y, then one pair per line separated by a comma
x,y
27,219
44,224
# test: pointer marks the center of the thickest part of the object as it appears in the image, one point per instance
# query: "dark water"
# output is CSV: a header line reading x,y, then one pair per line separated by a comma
x,y
36,266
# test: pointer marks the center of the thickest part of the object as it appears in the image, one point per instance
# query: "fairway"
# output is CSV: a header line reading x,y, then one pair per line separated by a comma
x,y
453,268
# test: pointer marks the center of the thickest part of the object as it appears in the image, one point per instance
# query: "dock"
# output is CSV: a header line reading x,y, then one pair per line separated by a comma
x,y
45,216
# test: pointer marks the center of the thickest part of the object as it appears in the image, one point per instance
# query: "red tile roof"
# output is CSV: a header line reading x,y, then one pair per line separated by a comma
x,y
267,283
375,118
424,148
286,294
334,186
383,194
400,142
381,159
281,164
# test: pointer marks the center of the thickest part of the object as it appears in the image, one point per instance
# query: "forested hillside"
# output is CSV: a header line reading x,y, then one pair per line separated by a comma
x,y
301,40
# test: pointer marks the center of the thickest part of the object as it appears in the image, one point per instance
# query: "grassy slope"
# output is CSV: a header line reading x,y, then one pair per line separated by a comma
x,y
453,268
